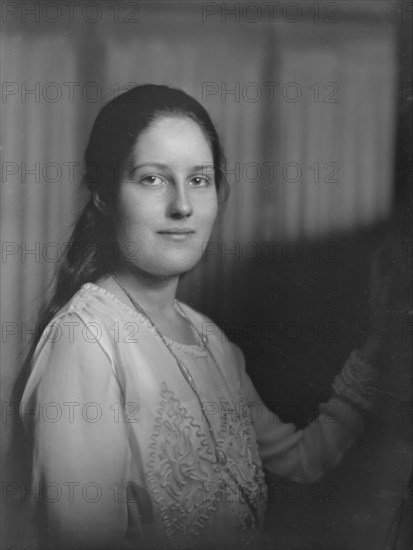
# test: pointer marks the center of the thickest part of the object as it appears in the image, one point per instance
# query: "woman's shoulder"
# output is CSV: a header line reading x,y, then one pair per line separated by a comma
x,y
212,331
92,314
95,303
199,319
77,335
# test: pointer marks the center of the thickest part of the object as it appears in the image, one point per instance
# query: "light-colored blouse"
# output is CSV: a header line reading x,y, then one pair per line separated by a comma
x,y
122,456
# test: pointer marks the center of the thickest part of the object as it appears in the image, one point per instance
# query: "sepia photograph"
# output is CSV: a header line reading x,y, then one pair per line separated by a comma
x,y
206,290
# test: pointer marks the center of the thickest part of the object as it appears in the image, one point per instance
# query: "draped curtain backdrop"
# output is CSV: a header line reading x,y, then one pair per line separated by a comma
x,y
310,157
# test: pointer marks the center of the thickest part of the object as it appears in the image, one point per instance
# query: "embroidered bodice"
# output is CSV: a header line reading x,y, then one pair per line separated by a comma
x,y
121,435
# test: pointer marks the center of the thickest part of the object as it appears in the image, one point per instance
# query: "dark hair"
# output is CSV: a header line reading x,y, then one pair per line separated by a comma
x,y
91,252
92,247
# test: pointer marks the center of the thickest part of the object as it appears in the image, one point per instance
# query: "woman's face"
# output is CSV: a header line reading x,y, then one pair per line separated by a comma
x,y
168,202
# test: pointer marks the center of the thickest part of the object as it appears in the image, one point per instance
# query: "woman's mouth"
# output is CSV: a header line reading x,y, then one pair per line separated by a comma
x,y
177,234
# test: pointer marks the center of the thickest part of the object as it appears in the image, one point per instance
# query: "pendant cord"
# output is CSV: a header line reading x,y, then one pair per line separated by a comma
x,y
219,454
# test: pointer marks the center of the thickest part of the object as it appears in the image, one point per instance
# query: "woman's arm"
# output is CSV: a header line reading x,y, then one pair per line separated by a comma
x,y
304,455
80,448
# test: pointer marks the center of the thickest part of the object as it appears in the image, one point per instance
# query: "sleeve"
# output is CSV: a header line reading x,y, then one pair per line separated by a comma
x,y
80,446
305,455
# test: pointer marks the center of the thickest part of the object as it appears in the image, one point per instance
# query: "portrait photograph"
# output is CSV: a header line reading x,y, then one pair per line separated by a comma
x,y
206,291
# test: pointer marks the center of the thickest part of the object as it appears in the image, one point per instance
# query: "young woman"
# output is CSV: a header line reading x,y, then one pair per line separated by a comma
x,y
146,433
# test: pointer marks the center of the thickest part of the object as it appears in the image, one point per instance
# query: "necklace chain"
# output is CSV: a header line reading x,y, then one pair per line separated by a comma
x,y
219,453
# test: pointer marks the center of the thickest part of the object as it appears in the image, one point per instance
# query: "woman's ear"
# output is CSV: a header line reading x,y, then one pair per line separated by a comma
x,y
101,205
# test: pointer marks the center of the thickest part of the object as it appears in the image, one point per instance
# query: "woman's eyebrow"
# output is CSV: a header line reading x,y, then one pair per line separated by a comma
x,y
153,164
198,168
207,166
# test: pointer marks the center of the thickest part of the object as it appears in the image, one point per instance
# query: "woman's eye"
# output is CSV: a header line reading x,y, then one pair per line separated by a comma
x,y
200,181
153,181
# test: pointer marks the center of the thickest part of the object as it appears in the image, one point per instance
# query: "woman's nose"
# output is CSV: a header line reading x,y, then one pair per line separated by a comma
x,y
180,205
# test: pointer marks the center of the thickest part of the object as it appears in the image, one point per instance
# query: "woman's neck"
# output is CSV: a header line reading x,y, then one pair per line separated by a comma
x,y
154,294
156,297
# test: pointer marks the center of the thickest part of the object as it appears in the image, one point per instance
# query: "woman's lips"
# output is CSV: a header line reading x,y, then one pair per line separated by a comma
x,y
177,234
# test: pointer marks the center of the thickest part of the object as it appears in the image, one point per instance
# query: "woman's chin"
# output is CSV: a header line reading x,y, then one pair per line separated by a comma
x,y
167,268
177,269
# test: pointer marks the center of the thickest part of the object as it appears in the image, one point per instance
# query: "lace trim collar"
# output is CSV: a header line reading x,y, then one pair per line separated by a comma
x,y
192,349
